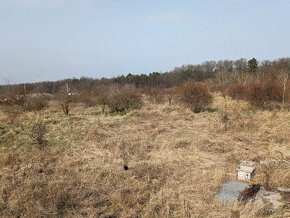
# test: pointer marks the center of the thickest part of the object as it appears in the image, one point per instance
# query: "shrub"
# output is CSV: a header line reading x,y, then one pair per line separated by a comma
x,y
64,100
13,99
218,88
38,132
86,97
196,96
156,95
122,98
101,97
35,103
264,91
237,91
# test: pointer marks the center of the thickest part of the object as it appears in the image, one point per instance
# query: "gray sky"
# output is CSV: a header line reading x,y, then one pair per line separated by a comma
x,y
57,39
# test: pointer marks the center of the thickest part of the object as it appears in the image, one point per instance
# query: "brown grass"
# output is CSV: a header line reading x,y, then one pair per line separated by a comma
x,y
176,160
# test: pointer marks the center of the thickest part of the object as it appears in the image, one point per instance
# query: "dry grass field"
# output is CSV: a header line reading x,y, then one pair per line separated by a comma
x,y
177,160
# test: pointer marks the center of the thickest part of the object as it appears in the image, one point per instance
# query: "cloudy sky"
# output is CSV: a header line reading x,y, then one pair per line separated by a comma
x,y
57,39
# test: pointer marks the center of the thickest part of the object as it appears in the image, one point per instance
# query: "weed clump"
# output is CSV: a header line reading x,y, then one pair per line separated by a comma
x,y
38,133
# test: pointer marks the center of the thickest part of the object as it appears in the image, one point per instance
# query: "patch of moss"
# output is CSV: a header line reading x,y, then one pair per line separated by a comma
x,y
170,109
114,114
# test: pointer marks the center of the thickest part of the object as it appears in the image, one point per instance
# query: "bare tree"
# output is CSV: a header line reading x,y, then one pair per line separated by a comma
x,y
64,99
8,81
226,76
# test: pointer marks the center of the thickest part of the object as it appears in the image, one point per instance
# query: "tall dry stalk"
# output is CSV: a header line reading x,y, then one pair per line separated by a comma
x,y
283,78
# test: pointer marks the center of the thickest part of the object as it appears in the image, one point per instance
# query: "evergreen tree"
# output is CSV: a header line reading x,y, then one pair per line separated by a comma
x,y
253,65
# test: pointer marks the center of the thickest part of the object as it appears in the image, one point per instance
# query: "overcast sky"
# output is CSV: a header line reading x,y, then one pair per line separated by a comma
x,y
57,39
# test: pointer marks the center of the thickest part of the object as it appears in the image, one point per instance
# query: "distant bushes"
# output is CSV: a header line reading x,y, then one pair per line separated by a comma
x,y
36,102
218,88
13,105
237,91
31,102
194,95
159,95
261,93
156,95
87,97
13,99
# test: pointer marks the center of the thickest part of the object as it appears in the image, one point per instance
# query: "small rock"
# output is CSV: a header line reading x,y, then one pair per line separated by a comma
x,y
283,189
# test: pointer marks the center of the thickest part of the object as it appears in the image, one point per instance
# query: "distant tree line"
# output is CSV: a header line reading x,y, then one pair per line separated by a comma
x,y
224,72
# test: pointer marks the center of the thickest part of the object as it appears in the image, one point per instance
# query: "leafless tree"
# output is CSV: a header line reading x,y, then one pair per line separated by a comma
x,y
64,99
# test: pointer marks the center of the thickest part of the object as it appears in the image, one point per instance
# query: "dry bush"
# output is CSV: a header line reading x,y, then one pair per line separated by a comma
x,y
264,91
156,95
64,99
237,91
273,173
86,97
101,97
38,133
214,87
159,95
13,99
35,103
122,98
196,96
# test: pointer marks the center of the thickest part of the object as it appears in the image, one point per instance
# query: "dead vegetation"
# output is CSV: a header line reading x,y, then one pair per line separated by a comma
x,y
153,162
38,133
194,95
